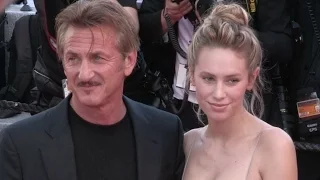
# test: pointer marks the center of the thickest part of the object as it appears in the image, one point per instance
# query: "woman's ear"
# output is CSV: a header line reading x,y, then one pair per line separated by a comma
x,y
191,79
252,78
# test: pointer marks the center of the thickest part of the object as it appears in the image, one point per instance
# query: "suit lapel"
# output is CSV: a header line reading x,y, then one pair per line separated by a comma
x,y
148,146
58,152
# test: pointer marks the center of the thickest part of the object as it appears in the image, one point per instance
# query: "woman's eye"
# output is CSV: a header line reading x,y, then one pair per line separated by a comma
x,y
233,81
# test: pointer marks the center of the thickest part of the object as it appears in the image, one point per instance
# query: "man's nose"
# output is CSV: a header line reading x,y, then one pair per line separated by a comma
x,y
86,71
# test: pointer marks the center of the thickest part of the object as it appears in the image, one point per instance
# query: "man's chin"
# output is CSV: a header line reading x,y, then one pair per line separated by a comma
x,y
88,100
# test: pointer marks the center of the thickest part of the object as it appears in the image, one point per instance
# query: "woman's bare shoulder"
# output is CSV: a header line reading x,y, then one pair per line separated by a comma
x,y
191,136
275,138
272,136
277,154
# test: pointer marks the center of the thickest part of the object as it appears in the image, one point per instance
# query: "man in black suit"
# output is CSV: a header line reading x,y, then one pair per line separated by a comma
x,y
96,132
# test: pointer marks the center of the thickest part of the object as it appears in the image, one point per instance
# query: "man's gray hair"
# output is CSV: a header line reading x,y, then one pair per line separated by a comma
x,y
98,13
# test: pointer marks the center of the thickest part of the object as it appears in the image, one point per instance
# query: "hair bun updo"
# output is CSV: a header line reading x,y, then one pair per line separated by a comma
x,y
229,13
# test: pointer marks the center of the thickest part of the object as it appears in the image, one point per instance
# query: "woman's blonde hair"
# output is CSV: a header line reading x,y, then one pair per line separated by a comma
x,y
227,26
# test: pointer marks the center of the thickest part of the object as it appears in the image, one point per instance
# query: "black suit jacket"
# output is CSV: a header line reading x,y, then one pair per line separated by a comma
x,y
41,147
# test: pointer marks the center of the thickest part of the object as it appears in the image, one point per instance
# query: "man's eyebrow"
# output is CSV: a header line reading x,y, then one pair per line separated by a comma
x,y
70,52
99,52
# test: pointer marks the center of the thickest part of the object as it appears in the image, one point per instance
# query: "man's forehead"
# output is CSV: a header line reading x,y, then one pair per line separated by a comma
x,y
98,33
96,36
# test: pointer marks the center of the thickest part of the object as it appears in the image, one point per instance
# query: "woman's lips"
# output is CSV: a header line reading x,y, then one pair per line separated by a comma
x,y
218,107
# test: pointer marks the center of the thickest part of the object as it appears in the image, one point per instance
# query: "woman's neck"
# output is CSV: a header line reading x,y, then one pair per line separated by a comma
x,y
231,129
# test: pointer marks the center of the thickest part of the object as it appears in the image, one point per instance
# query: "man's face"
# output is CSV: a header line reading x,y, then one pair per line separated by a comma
x,y
93,65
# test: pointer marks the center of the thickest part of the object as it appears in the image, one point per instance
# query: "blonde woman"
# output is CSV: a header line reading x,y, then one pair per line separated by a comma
x,y
224,63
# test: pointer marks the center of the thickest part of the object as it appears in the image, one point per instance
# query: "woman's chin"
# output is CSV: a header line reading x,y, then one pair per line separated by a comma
x,y
219,117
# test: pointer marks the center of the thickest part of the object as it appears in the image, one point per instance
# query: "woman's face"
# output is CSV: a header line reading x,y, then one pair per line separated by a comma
x,y
221,78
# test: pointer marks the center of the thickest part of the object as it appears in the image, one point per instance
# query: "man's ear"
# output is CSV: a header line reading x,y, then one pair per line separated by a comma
x,y
252,78
69,87
130,62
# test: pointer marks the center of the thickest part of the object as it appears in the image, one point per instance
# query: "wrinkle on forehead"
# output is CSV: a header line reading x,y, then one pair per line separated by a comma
x,y
95,36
